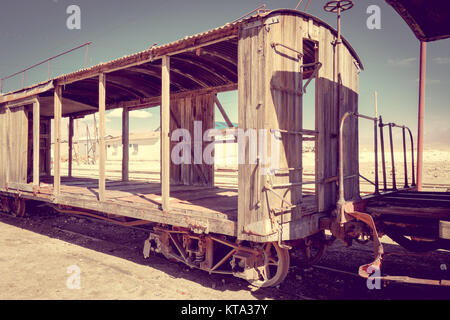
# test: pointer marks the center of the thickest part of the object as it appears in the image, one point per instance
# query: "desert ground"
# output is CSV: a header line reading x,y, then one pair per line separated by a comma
x,y
43,251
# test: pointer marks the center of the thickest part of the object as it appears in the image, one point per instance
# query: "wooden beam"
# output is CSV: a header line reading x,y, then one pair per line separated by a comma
x,y
222,111
144,103
70,146
165,128
190,77
36,139
216,54
125,144
57,147
207,68
102,131
154,73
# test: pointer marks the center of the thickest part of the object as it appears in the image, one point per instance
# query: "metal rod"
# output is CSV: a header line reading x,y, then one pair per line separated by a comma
x,y
338,89
278,196
301,132
383,159
293,184
46,60
307,6
227,256
365,117
245,15
375,140
275,44
413,183
404,157
317,66
422,77
298,4
341,200
86,56
372,183
394,184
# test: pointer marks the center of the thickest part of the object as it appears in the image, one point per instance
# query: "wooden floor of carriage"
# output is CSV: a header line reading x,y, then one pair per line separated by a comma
x,y
220,200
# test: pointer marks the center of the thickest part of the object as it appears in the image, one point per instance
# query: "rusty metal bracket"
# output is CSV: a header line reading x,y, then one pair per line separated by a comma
x,y
276,44
377,246
36,190
317,66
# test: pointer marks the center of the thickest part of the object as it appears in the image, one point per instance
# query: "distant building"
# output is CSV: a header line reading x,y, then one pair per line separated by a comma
x,y
142,146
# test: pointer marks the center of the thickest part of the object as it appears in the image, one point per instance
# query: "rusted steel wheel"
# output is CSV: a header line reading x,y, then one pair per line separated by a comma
x,y
17,207
4,205
314,247
274,267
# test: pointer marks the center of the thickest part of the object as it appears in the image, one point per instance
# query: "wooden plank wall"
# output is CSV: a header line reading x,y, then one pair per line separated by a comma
x,y
251,115
57,104
45,147
36,141
184,112
349,102
326,114
17,145
125,144
283,109
102,133
3,144
328,120
269,98
165,131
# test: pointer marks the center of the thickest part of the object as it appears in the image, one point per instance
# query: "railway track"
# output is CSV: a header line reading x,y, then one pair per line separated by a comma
x,y
299,273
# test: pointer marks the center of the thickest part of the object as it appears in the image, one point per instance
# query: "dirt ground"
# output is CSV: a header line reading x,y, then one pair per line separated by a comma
x,y
38,250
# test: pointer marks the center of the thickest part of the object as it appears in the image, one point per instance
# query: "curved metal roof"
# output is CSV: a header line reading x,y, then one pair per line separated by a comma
x,y
429,20
200,61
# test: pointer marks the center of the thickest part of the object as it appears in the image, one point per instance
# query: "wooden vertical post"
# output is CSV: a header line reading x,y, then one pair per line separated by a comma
x,y
125,143
165,127
8,146
70,146
36,139
48,147
57,148
102,153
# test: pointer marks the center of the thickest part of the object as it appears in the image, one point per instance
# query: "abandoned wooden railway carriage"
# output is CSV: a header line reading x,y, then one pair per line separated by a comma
x,y
246,229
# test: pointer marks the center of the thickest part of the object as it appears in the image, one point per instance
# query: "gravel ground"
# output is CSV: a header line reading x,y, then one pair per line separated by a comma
x,y
37,251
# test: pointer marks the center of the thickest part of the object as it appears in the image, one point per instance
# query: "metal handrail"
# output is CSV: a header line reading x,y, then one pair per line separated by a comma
x,y
48,60
404,153
341,200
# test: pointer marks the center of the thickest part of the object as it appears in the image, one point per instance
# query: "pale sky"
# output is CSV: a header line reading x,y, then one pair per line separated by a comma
x,y
31,31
